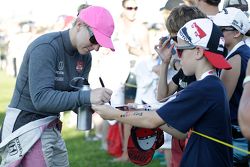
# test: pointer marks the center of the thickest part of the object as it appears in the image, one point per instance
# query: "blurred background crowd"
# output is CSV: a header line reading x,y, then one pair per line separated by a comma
x,y
22,21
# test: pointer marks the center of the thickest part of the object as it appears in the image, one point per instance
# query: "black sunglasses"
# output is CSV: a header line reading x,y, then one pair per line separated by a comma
x,y
92,37
132,8
230,28
93,40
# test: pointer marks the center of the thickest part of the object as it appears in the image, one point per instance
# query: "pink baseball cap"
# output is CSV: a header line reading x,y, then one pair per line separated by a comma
x,y
101,23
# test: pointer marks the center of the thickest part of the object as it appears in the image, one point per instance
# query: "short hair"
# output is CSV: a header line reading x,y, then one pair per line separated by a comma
x,y
180,16
124,1
213,2
80,7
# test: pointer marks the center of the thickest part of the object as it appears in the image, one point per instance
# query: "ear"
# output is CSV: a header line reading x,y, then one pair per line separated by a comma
x,y
237,34
199,52
78,25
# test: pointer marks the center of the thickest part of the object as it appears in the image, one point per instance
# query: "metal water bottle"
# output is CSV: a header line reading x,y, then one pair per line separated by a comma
x,y
84,112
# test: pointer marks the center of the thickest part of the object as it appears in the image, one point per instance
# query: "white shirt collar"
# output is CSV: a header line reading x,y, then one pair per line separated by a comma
x,y
207,73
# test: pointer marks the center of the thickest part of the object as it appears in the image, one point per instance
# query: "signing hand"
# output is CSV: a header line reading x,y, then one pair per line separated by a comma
x,y
100,95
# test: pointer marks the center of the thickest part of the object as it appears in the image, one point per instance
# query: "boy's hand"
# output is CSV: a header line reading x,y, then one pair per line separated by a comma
x,y
164,51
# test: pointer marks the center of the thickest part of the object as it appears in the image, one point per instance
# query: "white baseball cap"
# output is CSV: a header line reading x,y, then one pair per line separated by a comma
x,y
233,17
203,32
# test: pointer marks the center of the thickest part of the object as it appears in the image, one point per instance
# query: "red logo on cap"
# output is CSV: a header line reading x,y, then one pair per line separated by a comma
x,y
199,32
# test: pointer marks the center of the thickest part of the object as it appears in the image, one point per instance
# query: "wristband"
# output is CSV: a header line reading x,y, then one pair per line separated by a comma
x,y
246,80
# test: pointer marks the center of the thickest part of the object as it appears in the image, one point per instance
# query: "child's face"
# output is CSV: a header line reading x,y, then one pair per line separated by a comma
x,y
186,54
229,36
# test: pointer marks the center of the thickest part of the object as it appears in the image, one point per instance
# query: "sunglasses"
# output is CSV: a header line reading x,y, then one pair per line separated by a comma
x,y
180,49
131,8
92,37
230,28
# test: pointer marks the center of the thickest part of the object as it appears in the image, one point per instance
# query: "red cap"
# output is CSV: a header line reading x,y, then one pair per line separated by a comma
x,y
142,144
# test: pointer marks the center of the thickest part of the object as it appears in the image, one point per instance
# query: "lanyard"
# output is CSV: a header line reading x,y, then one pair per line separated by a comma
x,y
221,142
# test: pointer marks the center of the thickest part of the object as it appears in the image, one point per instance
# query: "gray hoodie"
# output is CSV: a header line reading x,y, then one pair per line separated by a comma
x,y
49,64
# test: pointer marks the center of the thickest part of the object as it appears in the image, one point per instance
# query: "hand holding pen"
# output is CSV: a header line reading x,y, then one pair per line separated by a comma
x,y
101,81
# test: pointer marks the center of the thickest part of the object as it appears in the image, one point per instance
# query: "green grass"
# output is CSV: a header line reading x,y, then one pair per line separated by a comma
x,y
7,84
81,153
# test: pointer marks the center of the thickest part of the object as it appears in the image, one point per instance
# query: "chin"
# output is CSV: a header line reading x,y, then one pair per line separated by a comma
x,y
187,73
83,51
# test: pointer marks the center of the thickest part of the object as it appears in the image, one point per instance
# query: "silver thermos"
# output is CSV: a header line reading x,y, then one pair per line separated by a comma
x,y
84,112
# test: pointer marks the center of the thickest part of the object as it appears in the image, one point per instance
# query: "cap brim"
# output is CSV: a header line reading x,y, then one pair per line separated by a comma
x,y
159,139
217,60
103,40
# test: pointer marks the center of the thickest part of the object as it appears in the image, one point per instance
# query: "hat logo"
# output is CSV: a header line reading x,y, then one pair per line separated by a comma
x,y
184,35
192,35
146,143
225,11
60,65
199,32
237,24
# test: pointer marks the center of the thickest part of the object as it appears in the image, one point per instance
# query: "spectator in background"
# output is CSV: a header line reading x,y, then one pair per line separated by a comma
x,y
132,33
103,64
63,22
244,108
209,7
177,18
242,5
17,45
170,4
234,24
43,89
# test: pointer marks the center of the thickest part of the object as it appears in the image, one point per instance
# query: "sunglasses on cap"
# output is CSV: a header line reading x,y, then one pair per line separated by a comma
x,y
131,8
180,49
92,37
227,28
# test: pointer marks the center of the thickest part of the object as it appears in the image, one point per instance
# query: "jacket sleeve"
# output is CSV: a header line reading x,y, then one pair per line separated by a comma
x,y
41,73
